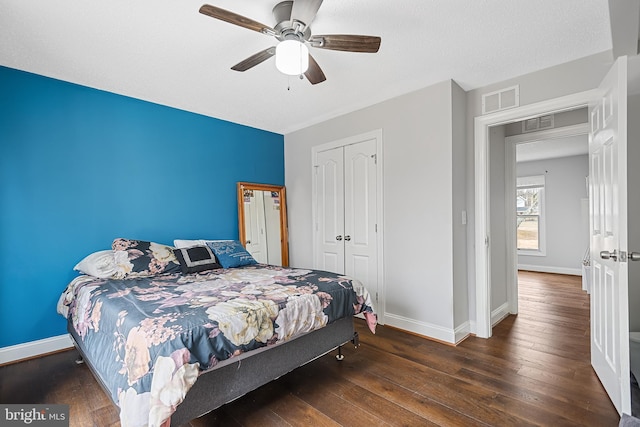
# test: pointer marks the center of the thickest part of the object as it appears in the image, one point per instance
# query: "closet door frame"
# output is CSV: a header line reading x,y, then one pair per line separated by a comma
x,y
379,299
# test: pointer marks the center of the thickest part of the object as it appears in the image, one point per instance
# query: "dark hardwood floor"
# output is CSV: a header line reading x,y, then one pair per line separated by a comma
x,y
535,370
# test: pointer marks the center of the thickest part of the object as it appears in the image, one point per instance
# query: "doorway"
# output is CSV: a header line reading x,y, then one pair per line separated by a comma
x,y
611,121
482,127
549,231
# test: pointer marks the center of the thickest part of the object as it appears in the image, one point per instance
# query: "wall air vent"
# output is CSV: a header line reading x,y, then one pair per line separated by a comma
x,y
537,123
501,99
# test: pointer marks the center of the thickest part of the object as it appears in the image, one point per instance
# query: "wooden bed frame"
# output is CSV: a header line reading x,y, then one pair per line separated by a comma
x,y
231,381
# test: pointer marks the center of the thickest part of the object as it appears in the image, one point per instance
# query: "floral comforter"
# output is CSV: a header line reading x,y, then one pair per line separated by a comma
x,y
149,338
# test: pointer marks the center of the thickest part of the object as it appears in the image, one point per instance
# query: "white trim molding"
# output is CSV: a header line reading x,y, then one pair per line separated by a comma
x,y
500,313
462,332
551,269
32,349
425,329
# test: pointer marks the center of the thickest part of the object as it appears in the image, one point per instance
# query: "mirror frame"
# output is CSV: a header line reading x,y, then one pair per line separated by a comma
x,y
284,235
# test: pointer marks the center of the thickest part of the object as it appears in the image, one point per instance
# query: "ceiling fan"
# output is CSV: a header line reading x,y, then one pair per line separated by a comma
x,y
293,31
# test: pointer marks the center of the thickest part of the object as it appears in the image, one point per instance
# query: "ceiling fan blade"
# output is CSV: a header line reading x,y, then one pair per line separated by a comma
x,y
314,73
347,42
234,18
255,59
305,11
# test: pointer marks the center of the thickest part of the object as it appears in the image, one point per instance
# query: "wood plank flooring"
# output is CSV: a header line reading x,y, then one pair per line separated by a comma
x,y
535,370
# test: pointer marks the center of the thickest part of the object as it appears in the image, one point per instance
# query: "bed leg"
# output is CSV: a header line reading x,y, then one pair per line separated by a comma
x,y
356,342
79,360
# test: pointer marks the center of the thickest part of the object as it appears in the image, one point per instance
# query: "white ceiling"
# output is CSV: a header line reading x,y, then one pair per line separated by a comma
x,y
164,51
552,148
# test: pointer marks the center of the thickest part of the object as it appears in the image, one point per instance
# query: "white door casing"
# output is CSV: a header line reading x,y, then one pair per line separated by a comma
x,y
608,230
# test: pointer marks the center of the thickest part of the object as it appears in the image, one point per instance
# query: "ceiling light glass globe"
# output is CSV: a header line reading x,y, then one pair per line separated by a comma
x,y
292,57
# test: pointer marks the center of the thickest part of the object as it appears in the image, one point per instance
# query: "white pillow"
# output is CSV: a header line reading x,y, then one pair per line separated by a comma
x,y
101,264
105,264
181,244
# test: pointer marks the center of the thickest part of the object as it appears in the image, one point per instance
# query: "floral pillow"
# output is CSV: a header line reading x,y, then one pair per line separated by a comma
x,y
146,258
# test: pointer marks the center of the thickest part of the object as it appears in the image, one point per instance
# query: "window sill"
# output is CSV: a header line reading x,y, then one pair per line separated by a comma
x,y
531,253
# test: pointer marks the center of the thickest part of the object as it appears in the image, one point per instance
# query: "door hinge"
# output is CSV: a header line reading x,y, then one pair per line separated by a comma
x,y
375,158
486,241
376,297
376,227
315,168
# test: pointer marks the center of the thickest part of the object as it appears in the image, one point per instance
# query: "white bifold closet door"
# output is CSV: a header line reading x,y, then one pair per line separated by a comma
x,y
345,195
330,210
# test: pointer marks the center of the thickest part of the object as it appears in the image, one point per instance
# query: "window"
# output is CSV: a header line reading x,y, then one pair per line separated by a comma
x,y
530,215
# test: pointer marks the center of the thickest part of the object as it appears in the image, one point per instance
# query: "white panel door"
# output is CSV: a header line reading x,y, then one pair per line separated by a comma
x,y
360,213
330,210
608,229
255,226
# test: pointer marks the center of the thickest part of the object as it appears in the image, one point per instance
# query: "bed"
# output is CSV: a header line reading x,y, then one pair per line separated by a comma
x,y
170,340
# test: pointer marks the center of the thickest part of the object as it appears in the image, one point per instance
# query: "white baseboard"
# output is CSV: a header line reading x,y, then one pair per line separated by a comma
x,y
421,328
472,327
462,331
31,349
499,314
547,269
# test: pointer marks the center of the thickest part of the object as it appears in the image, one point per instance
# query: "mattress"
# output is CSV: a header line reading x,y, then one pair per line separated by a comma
x,y
148,339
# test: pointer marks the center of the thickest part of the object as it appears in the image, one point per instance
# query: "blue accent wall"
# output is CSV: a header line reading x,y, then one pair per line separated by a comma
x,y
80,167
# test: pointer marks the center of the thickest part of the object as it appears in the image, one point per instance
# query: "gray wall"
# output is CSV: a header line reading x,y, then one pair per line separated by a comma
x,y
420,195
459,171
567,233
418,153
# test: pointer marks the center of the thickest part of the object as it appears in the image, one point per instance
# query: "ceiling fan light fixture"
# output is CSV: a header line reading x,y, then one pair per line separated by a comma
x,y
292,57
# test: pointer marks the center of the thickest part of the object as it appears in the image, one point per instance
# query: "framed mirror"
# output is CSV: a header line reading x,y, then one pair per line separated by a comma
x,y
262,222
